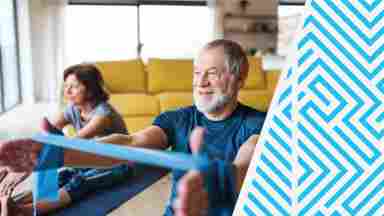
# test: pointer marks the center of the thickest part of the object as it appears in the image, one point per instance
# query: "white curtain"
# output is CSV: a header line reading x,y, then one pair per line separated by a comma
x,y
48,47
216,18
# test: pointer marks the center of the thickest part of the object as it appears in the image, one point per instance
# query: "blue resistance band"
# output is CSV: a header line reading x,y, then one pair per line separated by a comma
x,y
170,160
46,187
51,158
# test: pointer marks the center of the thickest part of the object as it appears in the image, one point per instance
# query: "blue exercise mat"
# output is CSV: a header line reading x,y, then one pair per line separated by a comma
x,y
102,202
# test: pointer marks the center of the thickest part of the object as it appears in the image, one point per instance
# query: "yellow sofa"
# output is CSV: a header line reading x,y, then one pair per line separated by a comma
x,y
141,92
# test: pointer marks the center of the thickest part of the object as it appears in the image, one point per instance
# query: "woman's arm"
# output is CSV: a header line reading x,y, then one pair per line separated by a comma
x,y
60,122
152,137
10,150
95,127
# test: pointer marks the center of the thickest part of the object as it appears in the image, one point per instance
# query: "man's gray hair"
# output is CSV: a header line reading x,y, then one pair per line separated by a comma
x,y
236,60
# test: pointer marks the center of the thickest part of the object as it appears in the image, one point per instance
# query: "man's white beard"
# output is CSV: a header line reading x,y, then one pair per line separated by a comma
x,y
218,101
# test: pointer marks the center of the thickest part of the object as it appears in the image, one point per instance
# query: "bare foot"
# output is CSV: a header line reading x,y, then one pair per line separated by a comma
x,y
11,181
4,209
3,174
9,207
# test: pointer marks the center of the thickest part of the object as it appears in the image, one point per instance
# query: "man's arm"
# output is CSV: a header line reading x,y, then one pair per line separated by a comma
x,y
152,137
192,197
243,160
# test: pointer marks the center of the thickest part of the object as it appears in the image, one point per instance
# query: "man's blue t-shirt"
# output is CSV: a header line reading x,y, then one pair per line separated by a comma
x,y
222,139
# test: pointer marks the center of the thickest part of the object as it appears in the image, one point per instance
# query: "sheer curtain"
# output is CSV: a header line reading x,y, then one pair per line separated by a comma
x,y
48,47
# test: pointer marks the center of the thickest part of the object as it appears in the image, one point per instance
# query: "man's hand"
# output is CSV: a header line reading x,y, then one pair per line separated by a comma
x,y
192,198
19,155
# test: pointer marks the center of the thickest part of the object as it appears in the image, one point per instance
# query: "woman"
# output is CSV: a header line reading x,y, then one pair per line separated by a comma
x,y
91,116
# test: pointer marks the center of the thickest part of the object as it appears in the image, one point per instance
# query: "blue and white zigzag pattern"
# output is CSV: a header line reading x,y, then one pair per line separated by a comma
x,y
337,125
272,182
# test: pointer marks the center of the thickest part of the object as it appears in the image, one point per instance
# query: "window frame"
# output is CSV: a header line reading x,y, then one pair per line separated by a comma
x,y
138,3
2,100
164,2
3,108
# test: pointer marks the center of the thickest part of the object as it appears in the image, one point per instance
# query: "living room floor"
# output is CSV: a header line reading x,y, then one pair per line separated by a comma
x,y
24,120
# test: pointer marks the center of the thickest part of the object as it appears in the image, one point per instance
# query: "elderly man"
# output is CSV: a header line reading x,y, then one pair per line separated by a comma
x,y
229,133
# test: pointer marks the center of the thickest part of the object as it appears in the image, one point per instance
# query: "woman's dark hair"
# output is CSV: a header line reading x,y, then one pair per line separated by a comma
x,y
90,76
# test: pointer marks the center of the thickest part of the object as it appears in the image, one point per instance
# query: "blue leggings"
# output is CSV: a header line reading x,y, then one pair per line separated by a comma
x,y
78,182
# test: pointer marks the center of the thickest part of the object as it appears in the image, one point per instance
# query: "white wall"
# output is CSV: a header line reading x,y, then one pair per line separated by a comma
x,y
25,53
46,43
44,74
234,28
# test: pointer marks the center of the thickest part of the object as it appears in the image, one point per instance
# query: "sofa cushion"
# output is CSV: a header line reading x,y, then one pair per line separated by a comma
x,y
123,76
135,104
272,79
174,100
258,99
169,75
256,75
136,123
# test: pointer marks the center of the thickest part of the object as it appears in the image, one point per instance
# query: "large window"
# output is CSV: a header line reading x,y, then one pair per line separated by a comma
x,y
97,33
173,31
289,20
113,32
9,70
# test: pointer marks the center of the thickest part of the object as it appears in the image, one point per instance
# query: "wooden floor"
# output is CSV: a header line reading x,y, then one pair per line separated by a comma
x,y
150,202
24,121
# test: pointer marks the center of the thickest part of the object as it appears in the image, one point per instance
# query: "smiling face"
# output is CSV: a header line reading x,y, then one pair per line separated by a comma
x,y
214,86
74,90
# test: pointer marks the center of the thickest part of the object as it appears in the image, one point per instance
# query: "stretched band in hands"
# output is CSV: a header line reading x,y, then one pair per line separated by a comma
x,y
218,174
171,160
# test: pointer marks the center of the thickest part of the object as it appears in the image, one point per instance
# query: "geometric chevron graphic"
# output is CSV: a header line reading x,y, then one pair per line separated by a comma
x,y
274,172
321,149
270,187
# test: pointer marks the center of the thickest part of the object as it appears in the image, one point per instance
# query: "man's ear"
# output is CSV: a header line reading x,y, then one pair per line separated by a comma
x,y
241,80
